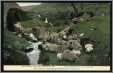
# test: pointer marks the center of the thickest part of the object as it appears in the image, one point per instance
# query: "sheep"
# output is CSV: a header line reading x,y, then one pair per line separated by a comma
x,y
72,36
53,47
64,37
59,56
88,44
50,47
89,47
75,44
69,55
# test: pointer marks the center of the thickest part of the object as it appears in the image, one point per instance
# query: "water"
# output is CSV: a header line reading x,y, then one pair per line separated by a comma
x,y
33,56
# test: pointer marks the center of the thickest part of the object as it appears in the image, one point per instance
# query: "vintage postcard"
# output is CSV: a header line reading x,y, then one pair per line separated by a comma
x,y
56,36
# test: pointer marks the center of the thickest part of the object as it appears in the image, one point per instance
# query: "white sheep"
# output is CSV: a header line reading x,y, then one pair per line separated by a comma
x,y
59,56
69,55
64,37
89,47
50,47
77,53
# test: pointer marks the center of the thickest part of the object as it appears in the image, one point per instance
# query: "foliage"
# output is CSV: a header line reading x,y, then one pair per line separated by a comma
x,y
13,49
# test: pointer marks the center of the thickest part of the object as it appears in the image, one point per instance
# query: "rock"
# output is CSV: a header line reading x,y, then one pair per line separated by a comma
x,y
46,21
18,27
82,34
39,15
31,35
27,50
51,24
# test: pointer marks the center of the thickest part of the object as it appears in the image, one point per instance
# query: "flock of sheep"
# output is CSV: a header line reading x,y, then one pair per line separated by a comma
x,y
67,44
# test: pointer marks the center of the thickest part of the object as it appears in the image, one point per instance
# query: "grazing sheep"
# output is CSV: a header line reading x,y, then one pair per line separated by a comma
x,y
59,56
75,44
64,36
84,41
76,53
69,55
50,47
72,37
53,47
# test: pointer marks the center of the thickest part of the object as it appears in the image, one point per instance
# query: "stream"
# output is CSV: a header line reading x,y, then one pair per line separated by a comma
x,y
33,52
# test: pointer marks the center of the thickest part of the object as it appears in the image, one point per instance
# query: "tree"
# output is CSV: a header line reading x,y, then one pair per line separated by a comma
x,y
75,8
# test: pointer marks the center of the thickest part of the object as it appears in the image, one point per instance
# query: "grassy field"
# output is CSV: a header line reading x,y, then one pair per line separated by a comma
x,y
101,34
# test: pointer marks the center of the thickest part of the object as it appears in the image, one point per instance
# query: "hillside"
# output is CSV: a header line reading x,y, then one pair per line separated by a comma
x,y
90,19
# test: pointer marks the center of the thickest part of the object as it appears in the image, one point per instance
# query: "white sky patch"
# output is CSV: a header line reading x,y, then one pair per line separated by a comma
x,y
27,4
